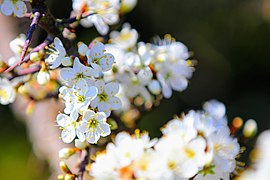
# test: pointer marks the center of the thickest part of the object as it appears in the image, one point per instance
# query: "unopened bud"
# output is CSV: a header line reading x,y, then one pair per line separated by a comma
x,y
67,61
127,5
65,153
250,128
82,49
43,77
112,123
35,57
69,177
79,144
154,87
64,167
61,177
30,108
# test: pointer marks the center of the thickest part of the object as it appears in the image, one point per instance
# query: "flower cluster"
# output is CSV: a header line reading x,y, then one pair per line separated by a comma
x,y
18,7
145,69
88,99
103,12
196,145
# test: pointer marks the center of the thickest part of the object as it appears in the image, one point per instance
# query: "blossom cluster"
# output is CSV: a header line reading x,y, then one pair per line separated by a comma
x,y
88,99
103,12
198,145
146,70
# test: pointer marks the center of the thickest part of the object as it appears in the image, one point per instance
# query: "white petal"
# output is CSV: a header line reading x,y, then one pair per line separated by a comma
x,y
166,89
105,129
81,87
88,114
74,115
83,48
20,9
88,71
62,119
78,66
66,61
115,103
101,117
107,62
94,102
91,93
97,50
111,88
178,83
67,74
7,8
93,137
100,86
59,46
68,134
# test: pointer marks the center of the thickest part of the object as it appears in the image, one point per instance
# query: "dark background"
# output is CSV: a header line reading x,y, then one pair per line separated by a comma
x,y
229,39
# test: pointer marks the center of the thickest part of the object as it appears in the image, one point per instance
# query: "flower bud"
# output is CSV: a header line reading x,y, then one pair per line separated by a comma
x,y
35,57
82,49
154,87
69,177
250,128
67,61
112,123
79,144
61,177
65,153
127,5
64,167
43,77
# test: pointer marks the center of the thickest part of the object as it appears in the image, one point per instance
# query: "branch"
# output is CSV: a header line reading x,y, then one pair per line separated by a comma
x,y
37,16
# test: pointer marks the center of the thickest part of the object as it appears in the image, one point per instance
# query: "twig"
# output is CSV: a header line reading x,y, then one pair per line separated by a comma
x,y
84,163
37,16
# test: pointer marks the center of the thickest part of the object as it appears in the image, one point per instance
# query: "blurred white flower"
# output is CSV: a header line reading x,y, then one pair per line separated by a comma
x,y
127,5
7,92
125,39
18,7
43,77
104,13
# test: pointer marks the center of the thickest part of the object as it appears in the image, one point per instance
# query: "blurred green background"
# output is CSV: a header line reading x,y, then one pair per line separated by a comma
x,y
230,40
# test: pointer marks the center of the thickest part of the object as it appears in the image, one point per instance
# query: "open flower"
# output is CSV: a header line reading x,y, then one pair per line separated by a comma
x,y
79,97
7,92
57,56
98,59
18,7
94,125
104,13
79,71
106,100
70,127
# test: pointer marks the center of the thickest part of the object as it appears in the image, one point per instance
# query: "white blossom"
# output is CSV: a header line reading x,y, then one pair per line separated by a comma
x,y
94,125
106,101
7,92
58,55
70,127
98,59
79,71
18,7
